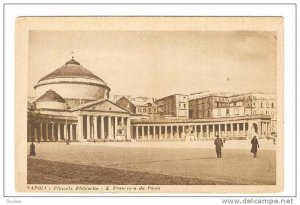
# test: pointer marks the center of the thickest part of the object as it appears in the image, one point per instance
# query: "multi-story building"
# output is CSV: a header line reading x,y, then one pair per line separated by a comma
x,y
139,107
220,105
173,106
259,103
210,105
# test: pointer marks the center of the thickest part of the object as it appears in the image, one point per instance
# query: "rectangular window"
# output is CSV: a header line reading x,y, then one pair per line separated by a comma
x,y
236,111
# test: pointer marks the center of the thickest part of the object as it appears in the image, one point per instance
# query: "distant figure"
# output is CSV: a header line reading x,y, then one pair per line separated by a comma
x,y
67,141
274,140
255,145
219,145
32,149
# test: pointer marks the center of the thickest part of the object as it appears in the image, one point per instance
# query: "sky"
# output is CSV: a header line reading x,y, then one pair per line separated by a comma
x,y
160,63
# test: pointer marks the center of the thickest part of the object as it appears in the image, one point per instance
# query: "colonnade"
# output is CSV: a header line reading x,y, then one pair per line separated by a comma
x,y
107,127
175,131
51,131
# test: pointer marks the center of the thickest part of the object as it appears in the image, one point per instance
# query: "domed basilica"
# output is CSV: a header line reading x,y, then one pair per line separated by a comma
x,y
72,104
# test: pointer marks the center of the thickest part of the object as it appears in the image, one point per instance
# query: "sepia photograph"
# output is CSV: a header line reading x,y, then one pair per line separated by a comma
x,y
150,104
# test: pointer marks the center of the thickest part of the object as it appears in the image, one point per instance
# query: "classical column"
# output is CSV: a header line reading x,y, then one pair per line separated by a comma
x,y
249,134
102,128
201,131
88,127
41,131
207,130
52,132
71,132
214,131
159,132
109,127
154,132
166,132
195,132
143,135
238,129
148,132
220,129
231,130
35,133
116,125
65,131
136,132
58,132
244,129
259,129
225,130
95,121
47,132
128,135
173,132
80,127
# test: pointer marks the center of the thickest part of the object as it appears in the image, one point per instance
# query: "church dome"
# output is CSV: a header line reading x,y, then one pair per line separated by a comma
x,y
72,69
50,100
72,82
50,95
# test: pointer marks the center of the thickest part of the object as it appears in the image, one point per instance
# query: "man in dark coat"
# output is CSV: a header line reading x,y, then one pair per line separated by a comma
x,y
255,146
219,145
32,149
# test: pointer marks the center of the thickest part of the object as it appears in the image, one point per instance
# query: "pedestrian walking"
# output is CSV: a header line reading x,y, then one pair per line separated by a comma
x,y
219,145
255,146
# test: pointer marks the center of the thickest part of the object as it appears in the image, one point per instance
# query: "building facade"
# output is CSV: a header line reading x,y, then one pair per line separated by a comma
x,y
173,106
139,107
218,105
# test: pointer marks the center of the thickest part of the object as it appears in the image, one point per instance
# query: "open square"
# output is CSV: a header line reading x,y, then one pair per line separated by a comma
x,y
157,163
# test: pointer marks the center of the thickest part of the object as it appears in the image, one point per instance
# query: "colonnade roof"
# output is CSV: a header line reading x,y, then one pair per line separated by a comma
x,y
204,120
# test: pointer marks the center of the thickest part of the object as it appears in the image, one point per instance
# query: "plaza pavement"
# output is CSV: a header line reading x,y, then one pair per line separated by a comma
x,y
194,160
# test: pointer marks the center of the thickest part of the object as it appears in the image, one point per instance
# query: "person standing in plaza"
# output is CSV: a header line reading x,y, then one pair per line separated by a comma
x,y
255,146
219,145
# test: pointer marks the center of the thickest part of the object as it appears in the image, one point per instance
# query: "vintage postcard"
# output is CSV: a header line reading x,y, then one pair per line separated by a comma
x,y
149,104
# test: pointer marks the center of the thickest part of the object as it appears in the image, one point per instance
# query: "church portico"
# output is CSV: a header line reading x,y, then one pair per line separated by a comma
x,y
103,126
102,120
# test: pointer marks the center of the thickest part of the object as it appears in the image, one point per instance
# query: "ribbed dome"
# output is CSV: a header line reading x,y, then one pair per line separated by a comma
x,y
51,95
72,69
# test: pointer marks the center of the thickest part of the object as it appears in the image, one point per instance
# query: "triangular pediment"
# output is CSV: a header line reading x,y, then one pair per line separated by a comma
x,y
102,106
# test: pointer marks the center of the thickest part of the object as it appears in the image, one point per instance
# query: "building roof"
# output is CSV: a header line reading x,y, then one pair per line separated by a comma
x,y
72,69
51,95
